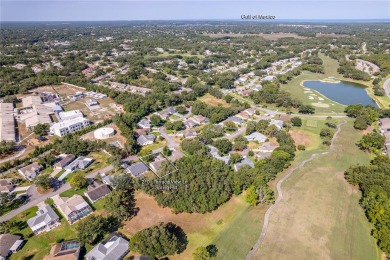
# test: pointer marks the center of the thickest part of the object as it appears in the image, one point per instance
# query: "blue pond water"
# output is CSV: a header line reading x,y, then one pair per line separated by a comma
x,y
345,93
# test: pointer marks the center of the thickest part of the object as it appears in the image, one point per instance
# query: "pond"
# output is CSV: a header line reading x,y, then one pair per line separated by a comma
x,y
345,93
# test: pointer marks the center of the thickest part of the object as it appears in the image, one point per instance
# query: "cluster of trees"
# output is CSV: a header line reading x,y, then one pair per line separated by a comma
x,y
210,184
41,129
364,116
311,62
78,181
120,202
380,59
372,142
92,229
374,182
215,114
211,131
223,145
175,126
6,147
327,135
160,240
272,94
347,68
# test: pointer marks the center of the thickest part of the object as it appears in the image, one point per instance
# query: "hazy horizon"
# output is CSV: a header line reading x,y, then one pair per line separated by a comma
x,y
187,10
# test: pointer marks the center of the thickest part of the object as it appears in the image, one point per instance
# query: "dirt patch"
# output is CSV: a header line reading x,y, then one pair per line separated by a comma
x,y
300,137
211,100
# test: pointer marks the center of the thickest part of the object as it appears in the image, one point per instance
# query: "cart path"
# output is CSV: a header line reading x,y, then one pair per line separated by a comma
x,y
280,193
386,87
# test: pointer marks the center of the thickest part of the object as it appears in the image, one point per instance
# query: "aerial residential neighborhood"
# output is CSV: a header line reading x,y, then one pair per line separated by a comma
x,y
249,136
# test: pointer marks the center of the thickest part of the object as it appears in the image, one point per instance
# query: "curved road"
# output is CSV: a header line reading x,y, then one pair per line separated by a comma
x,y
386,87
280,193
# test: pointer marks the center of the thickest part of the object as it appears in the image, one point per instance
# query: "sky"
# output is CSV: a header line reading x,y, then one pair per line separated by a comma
x,y
101,10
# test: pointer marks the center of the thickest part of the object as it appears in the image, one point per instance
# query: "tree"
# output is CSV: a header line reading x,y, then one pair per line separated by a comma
x,y
115,161
91,229
47,160
240,143
296,121
176,126
235,158
78,181
41,129
251,153
156,120
181,110
166,151
201,253
146,154
6,147
229,126
306,109
361,123
250,128
251,196
262,125
301,147
161,240
372,141
223,145
43,181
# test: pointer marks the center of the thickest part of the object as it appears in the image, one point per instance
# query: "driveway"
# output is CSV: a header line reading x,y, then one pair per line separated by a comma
x,y
170,142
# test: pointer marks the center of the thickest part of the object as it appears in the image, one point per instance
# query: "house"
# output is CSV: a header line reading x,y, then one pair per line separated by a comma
x,y
189,134
244,161
139,132
214,153
190,123
144,124
69,250
73,208
267,147
9,244
80,163
278,123
243,115
156,164
146,139
45,220
136,169
256,136
107,179
92,103
166,113
65,161
96,191
113,248
250,111
6,185
30,171
199,119
257,87
384,125
269,78
234,119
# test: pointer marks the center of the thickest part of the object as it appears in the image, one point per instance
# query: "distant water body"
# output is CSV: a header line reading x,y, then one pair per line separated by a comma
x,y
345,93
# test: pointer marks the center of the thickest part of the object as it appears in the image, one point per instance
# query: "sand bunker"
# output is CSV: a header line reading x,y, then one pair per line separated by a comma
x,y
311,98
320,105
320,98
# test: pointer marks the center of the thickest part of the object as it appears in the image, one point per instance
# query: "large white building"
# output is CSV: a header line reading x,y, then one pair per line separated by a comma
x,y
70,115
69,126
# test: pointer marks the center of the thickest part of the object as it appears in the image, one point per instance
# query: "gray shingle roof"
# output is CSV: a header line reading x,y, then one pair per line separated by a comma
x,y
137,169
96,192
44,216
244,161
112,249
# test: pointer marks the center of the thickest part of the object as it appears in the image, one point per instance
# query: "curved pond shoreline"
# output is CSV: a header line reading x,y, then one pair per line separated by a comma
x,y
342,92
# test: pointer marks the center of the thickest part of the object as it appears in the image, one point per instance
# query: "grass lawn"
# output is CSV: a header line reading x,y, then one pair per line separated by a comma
x,y
211,100
201,229
320,216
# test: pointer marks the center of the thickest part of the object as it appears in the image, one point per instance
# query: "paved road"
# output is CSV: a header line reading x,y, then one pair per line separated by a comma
x,y
35,198
240,131
280,193
386,87
170,142
14,156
